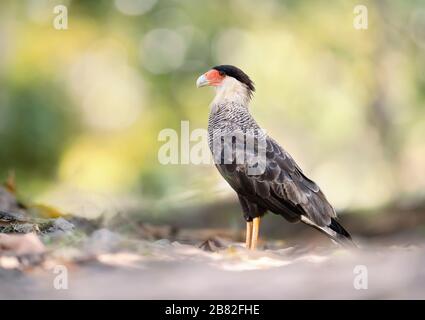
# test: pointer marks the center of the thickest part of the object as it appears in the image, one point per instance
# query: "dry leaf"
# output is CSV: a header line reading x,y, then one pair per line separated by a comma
x,y
212,245
10,183
46,211
21,244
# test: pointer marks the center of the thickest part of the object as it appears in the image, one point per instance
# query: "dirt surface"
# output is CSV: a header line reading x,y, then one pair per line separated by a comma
x,y
101,269
45,255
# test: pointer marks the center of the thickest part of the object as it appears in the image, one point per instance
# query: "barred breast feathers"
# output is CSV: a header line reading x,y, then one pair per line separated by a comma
x,y
229,117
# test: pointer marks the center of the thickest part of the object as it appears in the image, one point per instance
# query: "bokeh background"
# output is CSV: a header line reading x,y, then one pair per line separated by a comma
x,y
81,109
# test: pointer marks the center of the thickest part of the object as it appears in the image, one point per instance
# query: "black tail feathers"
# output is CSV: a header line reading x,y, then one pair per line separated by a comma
x,y
335,231
341,235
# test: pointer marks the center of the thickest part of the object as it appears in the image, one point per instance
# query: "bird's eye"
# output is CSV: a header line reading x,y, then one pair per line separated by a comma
x,y
222,73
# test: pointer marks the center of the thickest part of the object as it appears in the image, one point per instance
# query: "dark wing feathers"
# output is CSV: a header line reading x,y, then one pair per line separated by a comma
x,y
282,188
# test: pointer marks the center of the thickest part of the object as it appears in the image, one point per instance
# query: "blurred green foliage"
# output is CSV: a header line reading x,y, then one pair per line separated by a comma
x,y
37,128
84,106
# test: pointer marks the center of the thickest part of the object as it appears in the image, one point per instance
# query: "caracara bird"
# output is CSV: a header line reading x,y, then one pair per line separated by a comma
x,y
278,184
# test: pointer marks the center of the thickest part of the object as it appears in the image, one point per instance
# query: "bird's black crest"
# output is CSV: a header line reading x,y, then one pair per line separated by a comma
x,y
236,73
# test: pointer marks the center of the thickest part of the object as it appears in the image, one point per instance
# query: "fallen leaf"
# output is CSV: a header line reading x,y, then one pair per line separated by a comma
x,y
120,259
21,244
9,262
211,245
10,183
45,211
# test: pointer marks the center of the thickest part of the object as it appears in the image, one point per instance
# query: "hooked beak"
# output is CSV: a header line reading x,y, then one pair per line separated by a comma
x,y
202,81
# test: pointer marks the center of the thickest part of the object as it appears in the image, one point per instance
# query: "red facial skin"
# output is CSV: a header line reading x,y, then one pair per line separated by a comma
x,y
214,77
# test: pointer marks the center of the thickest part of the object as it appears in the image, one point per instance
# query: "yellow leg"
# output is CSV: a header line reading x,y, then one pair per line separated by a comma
x,y
255,232
248,234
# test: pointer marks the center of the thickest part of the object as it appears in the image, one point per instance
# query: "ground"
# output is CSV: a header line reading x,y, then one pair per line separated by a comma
x,y
101,268
128,258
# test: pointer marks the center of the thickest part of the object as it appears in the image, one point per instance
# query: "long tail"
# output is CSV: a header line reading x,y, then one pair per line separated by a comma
x,y
335,231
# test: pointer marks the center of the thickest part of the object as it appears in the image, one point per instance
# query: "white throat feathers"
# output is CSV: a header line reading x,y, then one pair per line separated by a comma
x,y
231,90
